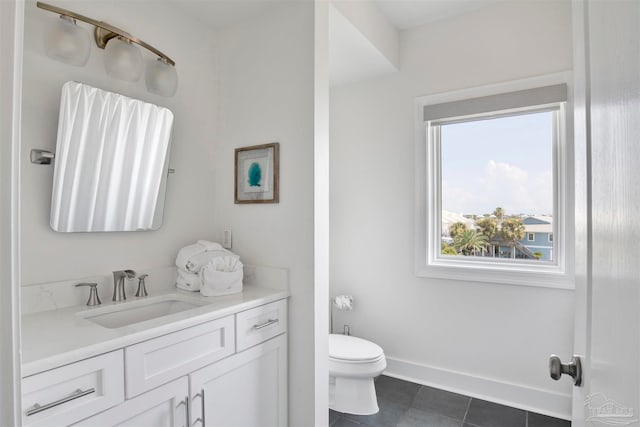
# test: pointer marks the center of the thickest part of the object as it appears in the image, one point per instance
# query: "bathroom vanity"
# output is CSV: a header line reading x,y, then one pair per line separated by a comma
x,y
190,361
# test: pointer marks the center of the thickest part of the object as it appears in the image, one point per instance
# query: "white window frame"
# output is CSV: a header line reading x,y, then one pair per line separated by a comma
x,y
531,237
429,262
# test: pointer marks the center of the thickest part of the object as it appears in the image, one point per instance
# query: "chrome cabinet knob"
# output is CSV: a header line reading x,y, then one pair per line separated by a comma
x,y
94,299
573,369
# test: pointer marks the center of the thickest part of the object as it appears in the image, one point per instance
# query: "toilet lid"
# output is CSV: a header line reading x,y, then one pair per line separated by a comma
x,y
351,348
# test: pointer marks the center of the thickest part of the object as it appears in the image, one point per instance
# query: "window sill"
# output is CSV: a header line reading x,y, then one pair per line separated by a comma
x,y
492,273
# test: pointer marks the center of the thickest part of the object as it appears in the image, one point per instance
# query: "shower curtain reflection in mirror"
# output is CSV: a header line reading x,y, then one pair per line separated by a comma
x,y
111,164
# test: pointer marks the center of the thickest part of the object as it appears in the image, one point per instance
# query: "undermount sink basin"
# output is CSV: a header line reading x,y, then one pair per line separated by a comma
x,y
128,313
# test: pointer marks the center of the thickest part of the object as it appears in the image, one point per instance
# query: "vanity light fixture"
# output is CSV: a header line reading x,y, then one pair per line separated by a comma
x,y
69,43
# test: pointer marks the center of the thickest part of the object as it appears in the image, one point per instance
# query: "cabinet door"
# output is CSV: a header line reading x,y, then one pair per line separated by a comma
x,y
165,406
248,389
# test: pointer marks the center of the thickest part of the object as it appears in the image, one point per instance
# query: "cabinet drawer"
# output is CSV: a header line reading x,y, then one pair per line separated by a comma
x,y
160,360
70,393
261,323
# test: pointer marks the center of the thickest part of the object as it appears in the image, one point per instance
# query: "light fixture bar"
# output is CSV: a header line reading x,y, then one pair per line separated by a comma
x,y
105,32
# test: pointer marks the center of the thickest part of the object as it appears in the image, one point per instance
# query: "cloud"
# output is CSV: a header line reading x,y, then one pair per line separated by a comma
x,y
500,184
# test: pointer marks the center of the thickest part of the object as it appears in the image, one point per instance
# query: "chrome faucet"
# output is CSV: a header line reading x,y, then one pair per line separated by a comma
x,y
94,299
118,283
142,288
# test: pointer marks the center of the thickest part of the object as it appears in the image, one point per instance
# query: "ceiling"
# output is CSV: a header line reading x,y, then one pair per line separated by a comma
x,y
352,56
403,14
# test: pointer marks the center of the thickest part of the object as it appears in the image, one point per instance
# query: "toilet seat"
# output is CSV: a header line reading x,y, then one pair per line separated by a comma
x,y
348,349
353,364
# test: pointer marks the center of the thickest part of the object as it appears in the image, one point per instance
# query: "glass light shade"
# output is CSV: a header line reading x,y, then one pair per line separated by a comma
x,y
123,60
67,42
161,77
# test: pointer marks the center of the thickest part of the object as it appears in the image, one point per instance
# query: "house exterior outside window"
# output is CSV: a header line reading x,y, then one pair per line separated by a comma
x,y
541,245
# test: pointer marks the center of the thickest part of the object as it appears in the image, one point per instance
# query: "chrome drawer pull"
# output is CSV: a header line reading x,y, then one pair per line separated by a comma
x,y
201,419
188,411
265,324
75,395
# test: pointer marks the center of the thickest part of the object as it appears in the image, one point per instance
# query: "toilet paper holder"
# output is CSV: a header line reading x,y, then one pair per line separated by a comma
x,y
341,302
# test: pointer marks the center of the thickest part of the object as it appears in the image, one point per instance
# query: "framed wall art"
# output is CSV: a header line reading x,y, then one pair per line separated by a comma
x,y
256,170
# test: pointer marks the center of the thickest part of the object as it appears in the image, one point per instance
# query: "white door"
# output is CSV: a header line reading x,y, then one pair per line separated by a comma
x,y
165,406
607,91
248,389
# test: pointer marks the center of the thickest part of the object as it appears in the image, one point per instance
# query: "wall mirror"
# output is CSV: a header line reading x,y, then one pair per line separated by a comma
x,y
111,163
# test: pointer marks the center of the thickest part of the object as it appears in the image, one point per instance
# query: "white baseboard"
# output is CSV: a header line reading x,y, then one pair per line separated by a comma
x,y
516,395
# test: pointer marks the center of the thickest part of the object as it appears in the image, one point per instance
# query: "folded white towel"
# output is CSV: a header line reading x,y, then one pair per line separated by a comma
x,y
225,263
210,246
186,253
193,257
221,276
198,261
188,281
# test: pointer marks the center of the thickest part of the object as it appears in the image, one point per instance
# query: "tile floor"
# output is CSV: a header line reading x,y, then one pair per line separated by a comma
x,y
405,404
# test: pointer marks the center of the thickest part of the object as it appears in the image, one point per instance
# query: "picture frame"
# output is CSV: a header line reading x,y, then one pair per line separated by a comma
x,y
257,174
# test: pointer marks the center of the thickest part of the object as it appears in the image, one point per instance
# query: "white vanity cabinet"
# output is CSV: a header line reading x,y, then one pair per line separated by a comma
x,y
248,389
230,371
165,406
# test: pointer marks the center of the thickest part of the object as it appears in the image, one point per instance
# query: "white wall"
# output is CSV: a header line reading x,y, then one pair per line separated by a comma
x,y
48,256
486,340
11,26
321,209
266,77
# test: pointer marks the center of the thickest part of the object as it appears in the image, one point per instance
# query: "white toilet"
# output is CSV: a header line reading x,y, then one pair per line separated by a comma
x,y
353,364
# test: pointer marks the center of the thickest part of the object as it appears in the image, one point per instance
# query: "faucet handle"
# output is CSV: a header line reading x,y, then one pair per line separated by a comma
x,y
94,299
142,289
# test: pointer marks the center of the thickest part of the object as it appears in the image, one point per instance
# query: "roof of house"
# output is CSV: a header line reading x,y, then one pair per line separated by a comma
x,y
538,219
449,218
538,224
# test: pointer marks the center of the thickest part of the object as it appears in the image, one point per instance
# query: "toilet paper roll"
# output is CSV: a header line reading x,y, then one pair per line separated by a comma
x,y
343,302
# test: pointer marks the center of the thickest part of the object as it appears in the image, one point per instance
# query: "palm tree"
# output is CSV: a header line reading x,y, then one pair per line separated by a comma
x,y
457,228
448,250
512,231
469,242
499,213
488,227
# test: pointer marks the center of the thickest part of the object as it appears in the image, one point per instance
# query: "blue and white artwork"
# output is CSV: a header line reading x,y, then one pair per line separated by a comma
x,y
256,175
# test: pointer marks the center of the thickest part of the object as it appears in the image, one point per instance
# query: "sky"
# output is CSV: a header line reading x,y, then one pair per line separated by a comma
x,y
504,162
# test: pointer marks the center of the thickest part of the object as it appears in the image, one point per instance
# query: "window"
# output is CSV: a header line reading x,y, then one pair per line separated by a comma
x,y
496,180
494,173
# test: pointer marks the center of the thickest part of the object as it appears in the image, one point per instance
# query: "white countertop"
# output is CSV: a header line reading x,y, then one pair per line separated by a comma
x,y
57,337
